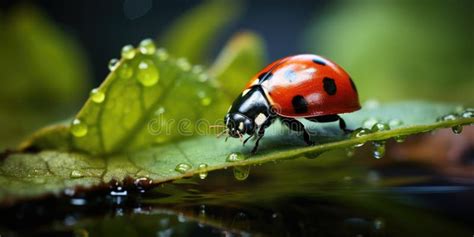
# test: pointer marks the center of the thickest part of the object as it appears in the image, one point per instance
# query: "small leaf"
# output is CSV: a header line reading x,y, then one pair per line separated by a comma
x,y
192,35
146,100
31,175
242,57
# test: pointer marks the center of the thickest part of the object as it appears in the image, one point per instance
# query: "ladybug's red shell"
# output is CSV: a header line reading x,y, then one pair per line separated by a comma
x,y
307,86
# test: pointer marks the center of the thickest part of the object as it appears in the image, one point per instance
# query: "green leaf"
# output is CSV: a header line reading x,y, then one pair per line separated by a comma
x,y
143,102
242,57
34,93
124,114
193,35
30,175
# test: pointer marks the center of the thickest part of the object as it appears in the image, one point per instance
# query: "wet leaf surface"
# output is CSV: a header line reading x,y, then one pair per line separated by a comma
x,y
30,175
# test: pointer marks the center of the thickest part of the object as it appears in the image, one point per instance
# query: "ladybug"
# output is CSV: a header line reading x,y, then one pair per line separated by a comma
x,y
301,86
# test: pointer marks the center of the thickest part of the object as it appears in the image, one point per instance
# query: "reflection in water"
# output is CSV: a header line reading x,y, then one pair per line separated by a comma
x,y
330,196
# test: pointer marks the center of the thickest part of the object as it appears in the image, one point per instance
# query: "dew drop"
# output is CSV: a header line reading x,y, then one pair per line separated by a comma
x,y
125,71
202,170
183,64
380,127
76,174
468,113
97,96
182,168
448,117
160,111
234,157
128,52
360,132
368,123
457,129
147,46
241,172
400,138
395,123
379,149
162,54
113,63
147,74
142,182
78,128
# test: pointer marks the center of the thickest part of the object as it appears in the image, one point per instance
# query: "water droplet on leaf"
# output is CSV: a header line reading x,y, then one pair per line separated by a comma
x,y
380,127
160,111
241,172
468,113
147,46
202,170
183,64
97,96
400,138
379,149
360,132
147,74
457,129
368,123
125,71
78,128
233,157
113,63
448,117
128,52
182,168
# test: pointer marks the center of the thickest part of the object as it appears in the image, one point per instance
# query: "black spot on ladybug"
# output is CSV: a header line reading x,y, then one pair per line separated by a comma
x,y
319,61
329,86
264,76
300,105
353,85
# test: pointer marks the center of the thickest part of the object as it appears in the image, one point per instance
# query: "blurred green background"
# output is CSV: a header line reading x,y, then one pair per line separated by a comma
x,y
53,52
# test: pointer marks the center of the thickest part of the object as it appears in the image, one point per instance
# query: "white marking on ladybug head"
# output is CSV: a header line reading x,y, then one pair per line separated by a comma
x,y
260,119
241,126
245,92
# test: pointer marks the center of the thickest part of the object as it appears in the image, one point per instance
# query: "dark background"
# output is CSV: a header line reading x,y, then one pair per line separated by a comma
x,y
103,27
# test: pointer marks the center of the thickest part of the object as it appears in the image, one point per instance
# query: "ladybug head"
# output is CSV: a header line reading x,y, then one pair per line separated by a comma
x,y
239,124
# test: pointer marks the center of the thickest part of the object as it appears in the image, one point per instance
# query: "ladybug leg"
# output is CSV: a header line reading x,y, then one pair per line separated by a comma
x,y
331,118
260,134
247,139
296,125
